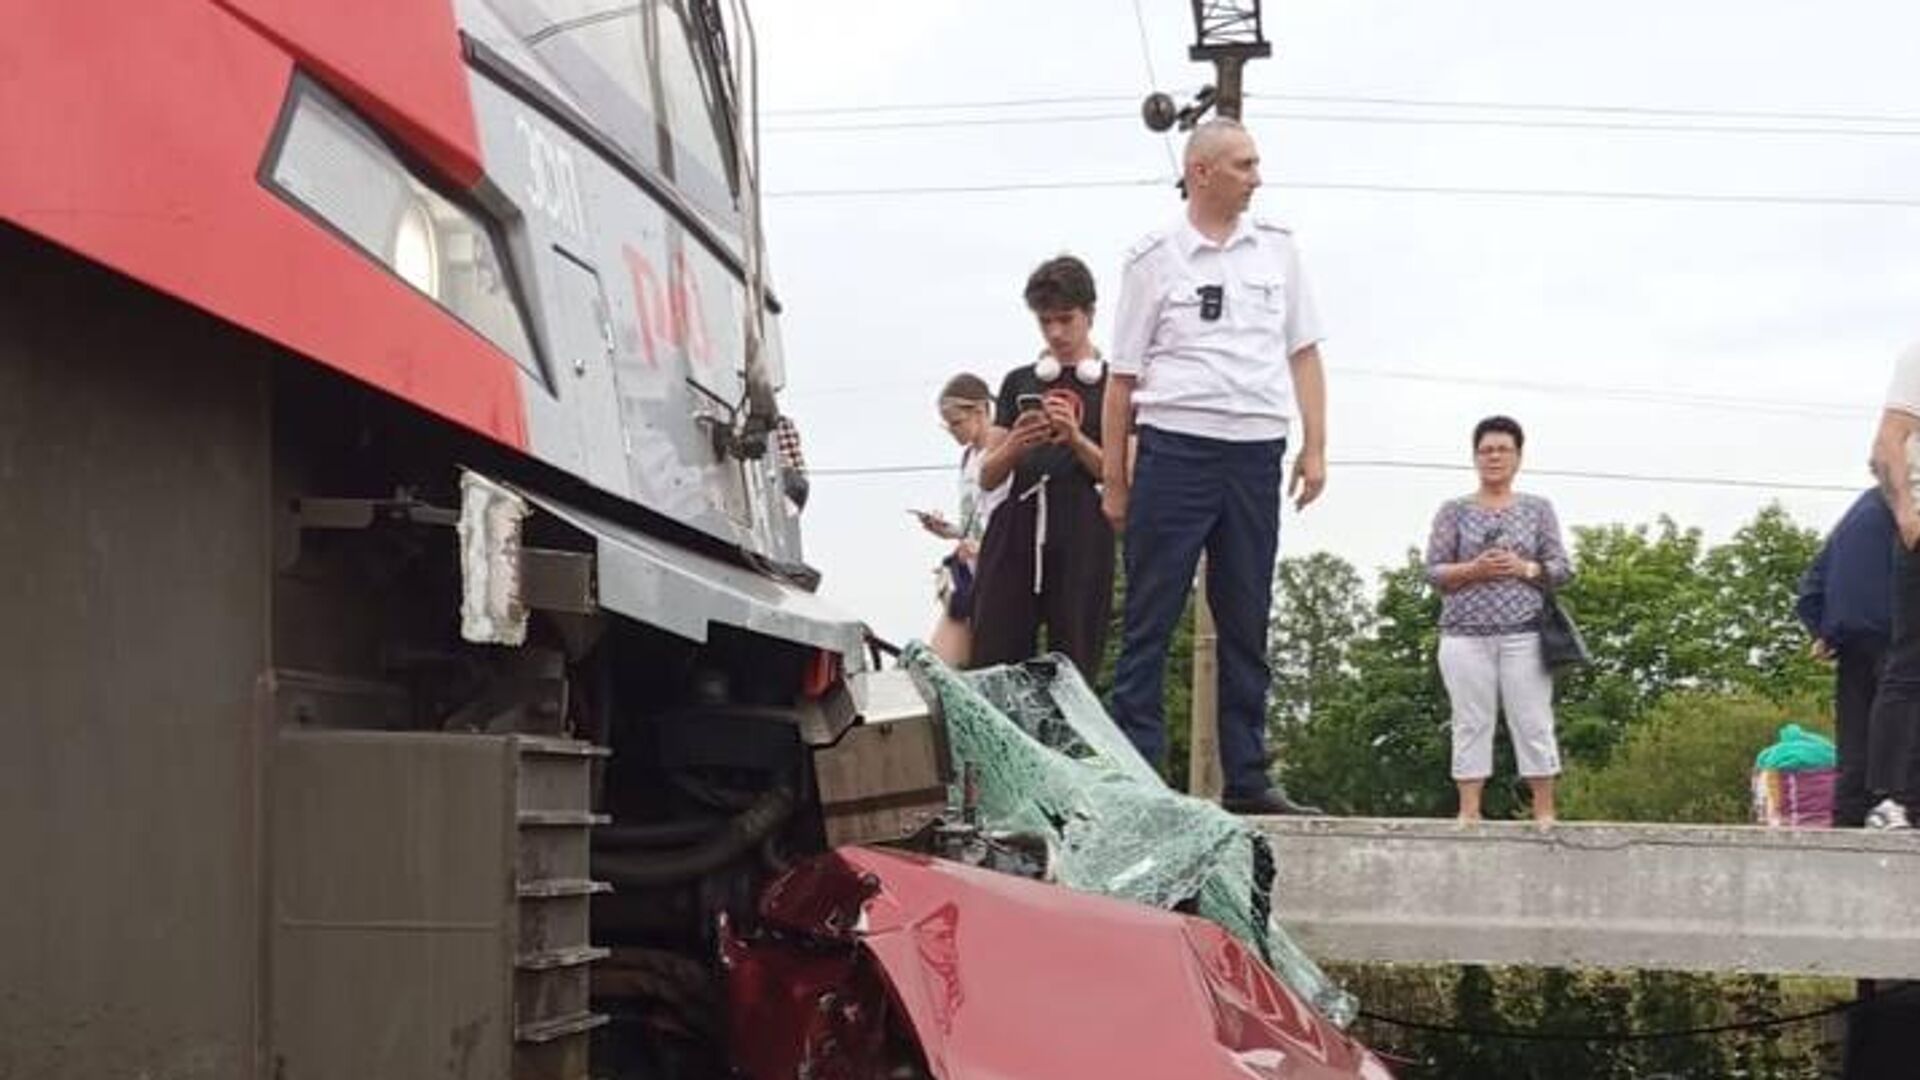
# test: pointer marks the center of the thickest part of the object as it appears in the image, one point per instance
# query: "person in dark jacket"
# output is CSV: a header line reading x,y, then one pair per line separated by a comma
x,y
1846,603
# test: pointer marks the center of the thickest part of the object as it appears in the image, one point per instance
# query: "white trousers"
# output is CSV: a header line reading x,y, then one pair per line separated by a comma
x,y
1486,676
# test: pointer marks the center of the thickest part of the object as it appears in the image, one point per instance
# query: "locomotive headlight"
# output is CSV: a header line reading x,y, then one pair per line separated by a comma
x,y
337,168
416,250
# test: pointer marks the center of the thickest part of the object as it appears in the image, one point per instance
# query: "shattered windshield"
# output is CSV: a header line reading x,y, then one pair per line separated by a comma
x,y
1045,758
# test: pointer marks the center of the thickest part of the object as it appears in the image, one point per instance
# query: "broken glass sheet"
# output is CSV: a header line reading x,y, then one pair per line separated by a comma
x,y
1046,758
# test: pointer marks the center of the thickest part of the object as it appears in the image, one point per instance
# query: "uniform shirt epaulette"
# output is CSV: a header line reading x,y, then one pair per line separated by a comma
x,y
1271,226
1147,243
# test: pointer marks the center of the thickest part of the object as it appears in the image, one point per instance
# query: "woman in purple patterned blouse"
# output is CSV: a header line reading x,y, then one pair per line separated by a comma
x,y
1493,555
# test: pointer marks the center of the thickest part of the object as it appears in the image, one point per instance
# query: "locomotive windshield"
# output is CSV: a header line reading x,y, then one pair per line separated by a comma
x,y
648,76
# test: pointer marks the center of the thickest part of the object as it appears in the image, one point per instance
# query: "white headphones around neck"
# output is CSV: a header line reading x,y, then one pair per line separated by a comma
x,y
1089,371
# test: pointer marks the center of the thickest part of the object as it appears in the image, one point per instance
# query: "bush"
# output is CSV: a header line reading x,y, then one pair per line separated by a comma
x,y
1689,759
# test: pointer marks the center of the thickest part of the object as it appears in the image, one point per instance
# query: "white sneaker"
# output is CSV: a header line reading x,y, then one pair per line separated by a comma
x,y
1888,815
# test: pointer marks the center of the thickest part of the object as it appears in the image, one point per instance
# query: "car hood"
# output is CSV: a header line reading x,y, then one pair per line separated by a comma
x,y
1003,978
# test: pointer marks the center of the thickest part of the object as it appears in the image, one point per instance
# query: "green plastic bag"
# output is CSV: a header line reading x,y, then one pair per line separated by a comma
x,y
1797,751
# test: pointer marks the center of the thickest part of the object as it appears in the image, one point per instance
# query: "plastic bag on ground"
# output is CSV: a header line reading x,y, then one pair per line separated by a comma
x,y
1794,779
1794,798
1797,749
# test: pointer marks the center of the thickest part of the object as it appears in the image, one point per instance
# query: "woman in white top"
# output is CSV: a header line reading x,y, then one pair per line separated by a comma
x,y
966,411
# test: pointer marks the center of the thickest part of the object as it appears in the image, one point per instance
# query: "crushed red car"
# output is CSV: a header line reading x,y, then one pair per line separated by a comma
x,y
872,963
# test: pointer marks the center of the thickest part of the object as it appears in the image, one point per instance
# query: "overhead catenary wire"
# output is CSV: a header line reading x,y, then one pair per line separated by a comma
x,y
969,189
1153,79
1616,195
1809,116
1725,198
1623,394
1613,126
1408,465
1002,103
1382,100
1586,392
1616,126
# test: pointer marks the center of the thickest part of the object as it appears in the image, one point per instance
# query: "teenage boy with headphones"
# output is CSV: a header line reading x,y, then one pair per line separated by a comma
x,y
1048,553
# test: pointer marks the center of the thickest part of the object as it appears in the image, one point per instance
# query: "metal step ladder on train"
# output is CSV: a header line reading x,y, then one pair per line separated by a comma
x,y
554,954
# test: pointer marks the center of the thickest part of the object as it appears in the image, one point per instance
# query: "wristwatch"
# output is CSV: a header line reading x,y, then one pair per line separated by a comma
x,y
1533,570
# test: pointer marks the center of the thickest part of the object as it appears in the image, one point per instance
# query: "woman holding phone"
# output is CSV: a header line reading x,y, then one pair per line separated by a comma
x,y
1494,555
966,412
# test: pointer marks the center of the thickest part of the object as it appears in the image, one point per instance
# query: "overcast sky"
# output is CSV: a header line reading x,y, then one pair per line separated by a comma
x,y
1747,340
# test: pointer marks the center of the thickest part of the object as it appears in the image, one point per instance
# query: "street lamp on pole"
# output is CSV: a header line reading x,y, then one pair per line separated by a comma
x,y
1227,34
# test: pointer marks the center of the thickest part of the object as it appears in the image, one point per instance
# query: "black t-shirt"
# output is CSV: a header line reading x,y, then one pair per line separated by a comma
x,y
1056,461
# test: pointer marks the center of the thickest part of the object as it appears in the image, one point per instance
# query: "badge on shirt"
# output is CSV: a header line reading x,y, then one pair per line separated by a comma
x,y
1213,300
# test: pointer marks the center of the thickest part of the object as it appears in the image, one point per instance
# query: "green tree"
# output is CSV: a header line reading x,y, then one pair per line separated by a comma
x,y
1751,581
1476,1007
1675,1001
1380,745
1320,612
1665,615
1767,1051
1562,1002
1640,601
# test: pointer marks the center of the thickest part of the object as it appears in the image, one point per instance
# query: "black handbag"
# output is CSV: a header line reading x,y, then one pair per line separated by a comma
x,y
1561,645
956,587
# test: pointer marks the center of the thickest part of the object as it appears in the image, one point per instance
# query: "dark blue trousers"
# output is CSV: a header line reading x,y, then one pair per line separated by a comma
x,y
1893,729
1855,684
1192,493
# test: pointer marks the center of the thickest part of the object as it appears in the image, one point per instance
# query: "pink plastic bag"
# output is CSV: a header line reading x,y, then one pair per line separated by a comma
x,y
1801,798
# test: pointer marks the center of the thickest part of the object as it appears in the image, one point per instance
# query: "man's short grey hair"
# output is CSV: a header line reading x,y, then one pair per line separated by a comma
x,y
1209,139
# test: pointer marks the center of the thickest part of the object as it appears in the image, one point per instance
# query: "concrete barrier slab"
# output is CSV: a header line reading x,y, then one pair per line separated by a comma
x,y
1660,897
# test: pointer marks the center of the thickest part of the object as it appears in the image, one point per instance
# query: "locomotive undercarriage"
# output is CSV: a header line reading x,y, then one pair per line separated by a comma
x,y
700,778
698,797
239,641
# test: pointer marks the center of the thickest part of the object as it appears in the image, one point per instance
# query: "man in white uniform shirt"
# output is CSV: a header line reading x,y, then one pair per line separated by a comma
x,y
1895,721
1215,346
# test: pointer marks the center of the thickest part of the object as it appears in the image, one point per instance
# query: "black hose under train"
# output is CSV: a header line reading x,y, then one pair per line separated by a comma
x,y
736,839
657,834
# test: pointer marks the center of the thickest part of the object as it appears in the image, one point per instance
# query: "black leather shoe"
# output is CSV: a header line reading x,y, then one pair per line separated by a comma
x,y
1271,802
